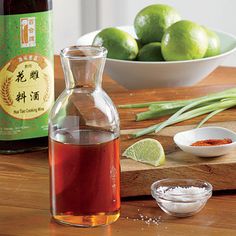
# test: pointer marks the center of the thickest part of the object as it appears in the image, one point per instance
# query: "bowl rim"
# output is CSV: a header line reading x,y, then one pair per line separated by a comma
x,y
204,195
170,62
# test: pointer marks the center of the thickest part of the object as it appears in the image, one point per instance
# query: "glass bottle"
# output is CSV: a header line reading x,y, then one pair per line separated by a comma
x,y
26,74
84,144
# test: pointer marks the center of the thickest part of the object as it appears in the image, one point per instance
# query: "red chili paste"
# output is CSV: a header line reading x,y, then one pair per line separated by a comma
x,y
212,142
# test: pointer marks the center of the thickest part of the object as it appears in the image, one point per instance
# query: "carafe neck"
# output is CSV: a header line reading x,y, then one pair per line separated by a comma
x,y
83,66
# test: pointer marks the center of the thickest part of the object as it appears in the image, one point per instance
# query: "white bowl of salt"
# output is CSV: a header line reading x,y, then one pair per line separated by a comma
x,y
181,197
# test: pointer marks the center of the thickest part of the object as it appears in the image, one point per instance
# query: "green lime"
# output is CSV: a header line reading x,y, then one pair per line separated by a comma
x,y
151,22
151,52
120,45
147,150
139,43
184,40
213,44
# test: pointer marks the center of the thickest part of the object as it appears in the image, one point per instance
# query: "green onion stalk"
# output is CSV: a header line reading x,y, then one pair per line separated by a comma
x,y
222,105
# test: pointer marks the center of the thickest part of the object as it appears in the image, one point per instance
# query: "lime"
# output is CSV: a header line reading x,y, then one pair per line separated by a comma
x,y
139,43
147,150
213,44
152,21
120,45
151,52
184,40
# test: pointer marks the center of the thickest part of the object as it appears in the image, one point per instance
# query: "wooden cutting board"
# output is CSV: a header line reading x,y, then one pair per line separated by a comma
x,y
136,178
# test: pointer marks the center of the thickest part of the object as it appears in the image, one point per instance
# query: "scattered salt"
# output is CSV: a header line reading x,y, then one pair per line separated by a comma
x,y
147,220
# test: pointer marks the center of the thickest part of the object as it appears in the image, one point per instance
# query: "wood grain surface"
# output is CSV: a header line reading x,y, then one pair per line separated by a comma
x,y
136,177
24,190
127,116
216,219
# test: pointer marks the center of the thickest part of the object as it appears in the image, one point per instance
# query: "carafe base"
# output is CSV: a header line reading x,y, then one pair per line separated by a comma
x,y
103,218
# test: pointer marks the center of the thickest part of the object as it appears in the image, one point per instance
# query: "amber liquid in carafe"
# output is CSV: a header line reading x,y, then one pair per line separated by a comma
x,y
85,177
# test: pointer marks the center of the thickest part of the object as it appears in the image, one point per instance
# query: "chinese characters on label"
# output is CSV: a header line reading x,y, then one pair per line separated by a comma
x,y
21,96
26,90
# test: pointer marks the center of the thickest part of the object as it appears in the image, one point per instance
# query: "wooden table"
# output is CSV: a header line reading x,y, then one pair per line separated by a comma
x,y
24,196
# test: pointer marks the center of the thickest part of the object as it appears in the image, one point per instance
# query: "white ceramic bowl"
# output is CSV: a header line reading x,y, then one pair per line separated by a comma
x,y
138,75
184,140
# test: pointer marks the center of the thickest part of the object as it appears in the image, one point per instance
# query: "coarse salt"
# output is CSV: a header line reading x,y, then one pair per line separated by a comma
x,y
182,200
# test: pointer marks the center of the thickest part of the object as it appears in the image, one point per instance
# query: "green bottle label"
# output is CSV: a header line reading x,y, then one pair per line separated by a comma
x,y
26,75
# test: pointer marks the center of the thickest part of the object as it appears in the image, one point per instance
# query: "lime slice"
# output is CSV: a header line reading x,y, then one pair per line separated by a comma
x,y
147,150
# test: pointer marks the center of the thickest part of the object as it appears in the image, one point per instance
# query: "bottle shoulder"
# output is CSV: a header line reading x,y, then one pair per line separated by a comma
x,y
14,7
94,108
84,99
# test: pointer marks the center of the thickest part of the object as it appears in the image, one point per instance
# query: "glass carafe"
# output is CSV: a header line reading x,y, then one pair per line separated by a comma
x,y
84,144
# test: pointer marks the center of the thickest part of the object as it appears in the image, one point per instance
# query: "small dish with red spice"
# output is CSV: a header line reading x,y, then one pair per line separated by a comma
x,y
207,141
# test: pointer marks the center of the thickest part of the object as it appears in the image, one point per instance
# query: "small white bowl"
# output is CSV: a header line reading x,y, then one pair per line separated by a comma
x,y
139,74
184,140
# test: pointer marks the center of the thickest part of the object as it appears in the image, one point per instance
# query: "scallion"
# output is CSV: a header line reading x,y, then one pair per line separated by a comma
x,y
182,110
188,115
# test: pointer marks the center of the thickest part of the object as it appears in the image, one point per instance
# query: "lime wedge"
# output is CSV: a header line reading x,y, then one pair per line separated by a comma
x,y
147,150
